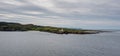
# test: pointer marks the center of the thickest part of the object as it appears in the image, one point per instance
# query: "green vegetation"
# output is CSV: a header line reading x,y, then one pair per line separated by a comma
x,y
7,26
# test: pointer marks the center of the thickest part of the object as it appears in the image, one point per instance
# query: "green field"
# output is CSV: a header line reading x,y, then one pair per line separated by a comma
x,y
8,26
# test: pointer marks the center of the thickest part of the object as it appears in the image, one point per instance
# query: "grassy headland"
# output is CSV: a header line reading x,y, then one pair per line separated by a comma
x,y
8,26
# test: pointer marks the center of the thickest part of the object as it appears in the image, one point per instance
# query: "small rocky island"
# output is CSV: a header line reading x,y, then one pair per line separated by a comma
x,y
8,26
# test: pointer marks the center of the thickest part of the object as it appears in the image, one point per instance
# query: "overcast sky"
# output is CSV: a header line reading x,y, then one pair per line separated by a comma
x,y
87,14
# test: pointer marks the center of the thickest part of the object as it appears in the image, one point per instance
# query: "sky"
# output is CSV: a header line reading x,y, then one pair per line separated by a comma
x,y
86,14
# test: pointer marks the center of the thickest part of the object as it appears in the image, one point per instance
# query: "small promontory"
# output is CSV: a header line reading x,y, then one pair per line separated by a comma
x,y
8,26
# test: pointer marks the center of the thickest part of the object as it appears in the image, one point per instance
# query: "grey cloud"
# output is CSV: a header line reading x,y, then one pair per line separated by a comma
x,y
96,9
109,8
79,10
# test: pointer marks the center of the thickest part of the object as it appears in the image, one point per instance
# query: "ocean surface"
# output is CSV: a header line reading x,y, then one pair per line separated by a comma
x,y
33,43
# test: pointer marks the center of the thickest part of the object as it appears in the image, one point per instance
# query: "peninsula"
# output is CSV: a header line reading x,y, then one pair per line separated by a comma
x,y
9,26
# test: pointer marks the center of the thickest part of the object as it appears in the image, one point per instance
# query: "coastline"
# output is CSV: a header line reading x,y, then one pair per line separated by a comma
x,y
8,26
84,32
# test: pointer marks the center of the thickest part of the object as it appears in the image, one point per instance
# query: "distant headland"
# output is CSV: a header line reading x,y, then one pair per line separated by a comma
x,y
9,26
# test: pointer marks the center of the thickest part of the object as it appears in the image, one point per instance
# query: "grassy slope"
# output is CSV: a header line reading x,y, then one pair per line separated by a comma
x,y
8,26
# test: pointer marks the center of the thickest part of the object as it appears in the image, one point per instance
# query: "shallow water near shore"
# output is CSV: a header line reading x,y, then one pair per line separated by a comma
x,y
34,43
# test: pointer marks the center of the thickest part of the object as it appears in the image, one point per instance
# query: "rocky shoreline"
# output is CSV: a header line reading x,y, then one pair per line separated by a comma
x,y
8,26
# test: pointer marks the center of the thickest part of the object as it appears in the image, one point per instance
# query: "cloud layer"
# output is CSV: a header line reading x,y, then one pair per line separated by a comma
x,y
89,14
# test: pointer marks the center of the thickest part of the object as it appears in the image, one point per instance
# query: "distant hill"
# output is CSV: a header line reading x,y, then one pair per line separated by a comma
x,y
9,26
